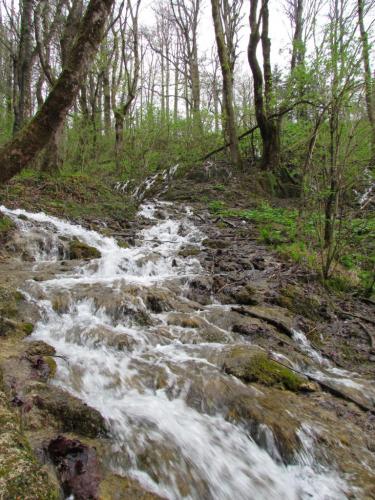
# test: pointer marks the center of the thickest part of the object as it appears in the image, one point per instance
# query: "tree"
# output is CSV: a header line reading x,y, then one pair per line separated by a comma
x,y
186,14
24,62
227,72
263,91
369,86
16,154
131,78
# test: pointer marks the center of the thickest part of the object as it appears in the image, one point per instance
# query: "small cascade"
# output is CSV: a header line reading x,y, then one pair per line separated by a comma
x,y
135,353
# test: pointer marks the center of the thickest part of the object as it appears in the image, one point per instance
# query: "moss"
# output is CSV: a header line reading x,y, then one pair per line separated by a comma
x,y
27,328
79,250
296,299
21,477
189,251
51,365
8,305
6,225
19,296
122,244
259,368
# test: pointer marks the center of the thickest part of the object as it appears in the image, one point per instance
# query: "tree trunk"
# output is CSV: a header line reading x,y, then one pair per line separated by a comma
x,y
298,49
119,139
16,154
230,119
269,128
107,102
369,86
51,158
24,68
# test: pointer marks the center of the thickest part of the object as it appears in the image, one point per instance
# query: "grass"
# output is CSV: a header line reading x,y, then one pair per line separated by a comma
x,y
70,195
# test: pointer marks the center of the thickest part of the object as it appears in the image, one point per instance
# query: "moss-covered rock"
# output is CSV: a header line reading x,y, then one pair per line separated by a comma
x,y
253,365
245,296
21,477
73,414
299,301
6,225
116,487
27,328
40,348
79,250
189,251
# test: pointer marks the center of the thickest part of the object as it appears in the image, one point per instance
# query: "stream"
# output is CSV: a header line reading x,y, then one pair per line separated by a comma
x,y
116,323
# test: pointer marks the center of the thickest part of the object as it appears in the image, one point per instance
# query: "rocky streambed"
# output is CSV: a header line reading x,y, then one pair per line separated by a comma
x,y
188,364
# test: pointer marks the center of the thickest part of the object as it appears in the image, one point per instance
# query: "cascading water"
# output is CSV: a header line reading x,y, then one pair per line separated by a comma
x,y
123,354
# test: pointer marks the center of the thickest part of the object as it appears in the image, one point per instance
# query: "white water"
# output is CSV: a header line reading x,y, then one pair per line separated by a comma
x,y
143,391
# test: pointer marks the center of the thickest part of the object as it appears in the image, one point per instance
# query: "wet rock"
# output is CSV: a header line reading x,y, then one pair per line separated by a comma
x,y
259,412
79,250
118,488
72,413
77,467
189,251
249,329
62,302
251,364
39,348
45,366
159,301
200,290
186,321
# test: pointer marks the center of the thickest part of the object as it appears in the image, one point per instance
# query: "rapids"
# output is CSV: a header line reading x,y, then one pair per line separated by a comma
x,y
124,356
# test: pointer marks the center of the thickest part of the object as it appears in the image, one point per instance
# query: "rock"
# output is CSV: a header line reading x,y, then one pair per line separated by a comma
x,y
39,348
77,467
186,321
45,366
251,364
300,301
73,414
159,301
118,488
21,477
189,251
245,296
61,302
216,244
249,329
200,290
79,250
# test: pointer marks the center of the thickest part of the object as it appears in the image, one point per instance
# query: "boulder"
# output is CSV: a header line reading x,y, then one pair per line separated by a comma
x,y
252,364
82,251
72,413
77,467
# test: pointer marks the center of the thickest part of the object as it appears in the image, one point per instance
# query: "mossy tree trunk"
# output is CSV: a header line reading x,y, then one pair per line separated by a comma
x,y
27,143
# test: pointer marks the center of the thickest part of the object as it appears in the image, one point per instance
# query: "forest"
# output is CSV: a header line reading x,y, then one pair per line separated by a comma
x,y
202,172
